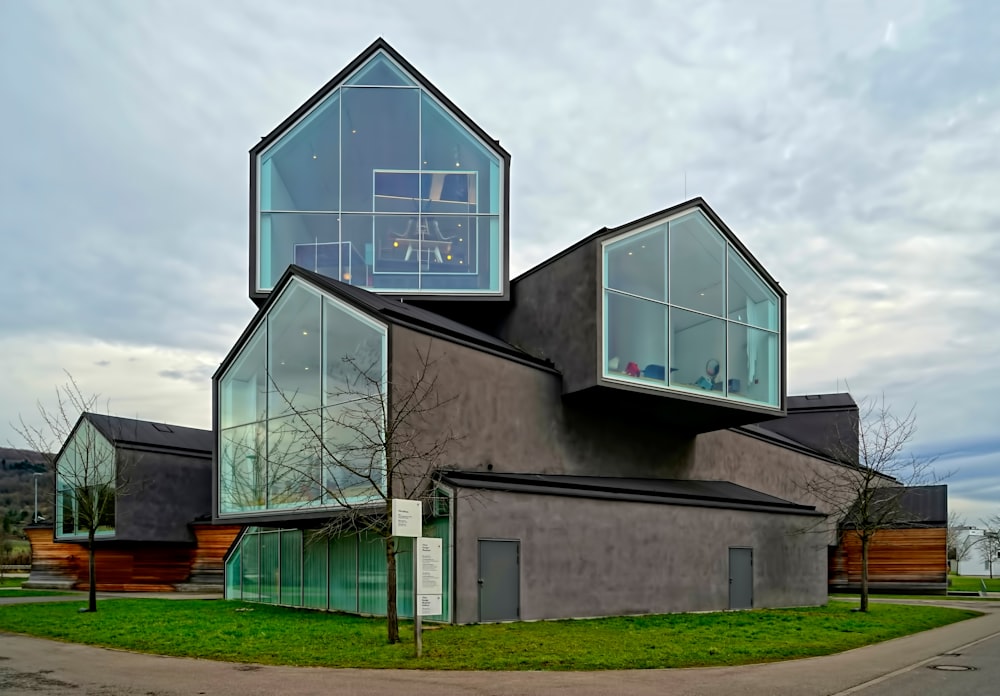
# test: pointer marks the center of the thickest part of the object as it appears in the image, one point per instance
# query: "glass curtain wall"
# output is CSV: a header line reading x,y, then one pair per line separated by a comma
x,y
683,310
381,187
85,485
300,568
300,406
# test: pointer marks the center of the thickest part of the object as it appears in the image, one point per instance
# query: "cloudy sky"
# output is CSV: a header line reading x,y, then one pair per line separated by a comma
x,y
852,146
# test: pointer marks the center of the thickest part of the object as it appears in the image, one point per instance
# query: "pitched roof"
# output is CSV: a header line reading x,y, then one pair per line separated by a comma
x,y
396,312
716,494
132,433
692,204
376,46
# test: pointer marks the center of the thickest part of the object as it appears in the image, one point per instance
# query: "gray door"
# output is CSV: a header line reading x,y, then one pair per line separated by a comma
x,y
499,580
740,578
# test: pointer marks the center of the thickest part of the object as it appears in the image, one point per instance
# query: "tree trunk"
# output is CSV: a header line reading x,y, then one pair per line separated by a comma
x,y
92,573
392,613
864,572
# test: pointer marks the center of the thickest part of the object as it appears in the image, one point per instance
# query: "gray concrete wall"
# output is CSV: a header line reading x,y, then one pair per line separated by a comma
x,y
512,417
555,308
163,495
581,557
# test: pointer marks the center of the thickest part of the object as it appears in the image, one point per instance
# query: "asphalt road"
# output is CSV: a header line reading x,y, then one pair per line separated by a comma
x,y
901,666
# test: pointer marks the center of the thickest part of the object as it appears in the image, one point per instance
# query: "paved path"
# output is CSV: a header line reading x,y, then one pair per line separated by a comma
x,y
35,666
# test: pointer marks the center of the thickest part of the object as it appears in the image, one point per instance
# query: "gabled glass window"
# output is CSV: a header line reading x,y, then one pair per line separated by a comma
x,y
301,408
85,485
380,186
683,310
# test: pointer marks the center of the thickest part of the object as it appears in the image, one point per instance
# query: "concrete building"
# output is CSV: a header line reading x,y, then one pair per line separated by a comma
x,y
608,433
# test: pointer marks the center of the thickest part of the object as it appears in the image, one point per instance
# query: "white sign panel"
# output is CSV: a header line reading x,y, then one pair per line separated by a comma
x,y
429,604
407,517
429,567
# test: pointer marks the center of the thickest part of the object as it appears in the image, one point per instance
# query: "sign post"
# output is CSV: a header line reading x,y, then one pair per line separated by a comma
x,y
408,521
427,580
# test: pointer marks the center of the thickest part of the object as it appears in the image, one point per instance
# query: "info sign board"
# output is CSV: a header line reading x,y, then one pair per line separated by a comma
x,y
407,518
430,576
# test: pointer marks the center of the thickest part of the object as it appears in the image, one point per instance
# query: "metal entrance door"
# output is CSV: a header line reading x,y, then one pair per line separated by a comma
x,y
499,580
740,578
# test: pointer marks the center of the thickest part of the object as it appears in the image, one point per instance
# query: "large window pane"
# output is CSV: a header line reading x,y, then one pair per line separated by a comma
x,y
302,170
307,240
697,351
294,461
636,338
269,551
380,131
753,365
353,357
750,300
697,265
294,340
448,146
638,265
242,469
243,389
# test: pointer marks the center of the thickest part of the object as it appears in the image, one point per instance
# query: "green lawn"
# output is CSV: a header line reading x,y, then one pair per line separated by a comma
x,y
241,632
969,584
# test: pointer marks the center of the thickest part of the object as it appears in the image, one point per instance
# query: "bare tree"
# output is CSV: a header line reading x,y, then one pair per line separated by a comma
x,y
88,475
373,440
989,542
960,542
865,494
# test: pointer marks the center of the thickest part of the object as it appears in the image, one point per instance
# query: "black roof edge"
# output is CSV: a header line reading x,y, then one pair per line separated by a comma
x,y
691,204
507,483
792,445
162,449
379,44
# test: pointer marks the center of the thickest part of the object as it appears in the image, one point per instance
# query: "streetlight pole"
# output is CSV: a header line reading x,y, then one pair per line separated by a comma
x,y
34,520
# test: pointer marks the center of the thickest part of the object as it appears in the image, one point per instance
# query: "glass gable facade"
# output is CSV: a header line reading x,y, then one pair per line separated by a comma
x,y
300,408
684,311
85,485
380,186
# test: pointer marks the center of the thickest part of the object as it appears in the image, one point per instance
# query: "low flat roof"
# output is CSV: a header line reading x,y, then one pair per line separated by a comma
x,y
716,494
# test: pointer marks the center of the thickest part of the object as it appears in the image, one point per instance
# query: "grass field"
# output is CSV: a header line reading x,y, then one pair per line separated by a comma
x,y
239,632
965,583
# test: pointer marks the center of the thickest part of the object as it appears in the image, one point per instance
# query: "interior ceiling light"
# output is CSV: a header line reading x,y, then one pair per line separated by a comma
x,y
314,156
306,333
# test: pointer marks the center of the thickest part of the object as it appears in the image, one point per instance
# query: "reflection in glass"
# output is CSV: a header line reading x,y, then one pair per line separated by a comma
x,y
243,389
308,240
316,439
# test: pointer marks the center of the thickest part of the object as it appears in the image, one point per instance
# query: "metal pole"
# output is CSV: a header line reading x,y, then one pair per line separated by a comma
x,y
417,638
34,520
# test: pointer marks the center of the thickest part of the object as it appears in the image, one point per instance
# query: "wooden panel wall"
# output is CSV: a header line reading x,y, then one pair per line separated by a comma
x,y
134,567
212,544
895,555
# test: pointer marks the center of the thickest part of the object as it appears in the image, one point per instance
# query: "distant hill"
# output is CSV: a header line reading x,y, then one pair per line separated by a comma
x,y
17,483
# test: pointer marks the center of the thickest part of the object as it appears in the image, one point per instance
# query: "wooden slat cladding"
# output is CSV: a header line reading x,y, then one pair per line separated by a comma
x,y
212,544
894,556
127,567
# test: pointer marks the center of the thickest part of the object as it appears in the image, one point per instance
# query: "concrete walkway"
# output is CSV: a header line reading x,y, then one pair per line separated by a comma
x,y
35,666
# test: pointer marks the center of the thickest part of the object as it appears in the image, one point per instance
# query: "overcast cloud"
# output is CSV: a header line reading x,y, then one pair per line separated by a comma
x,y
852,147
